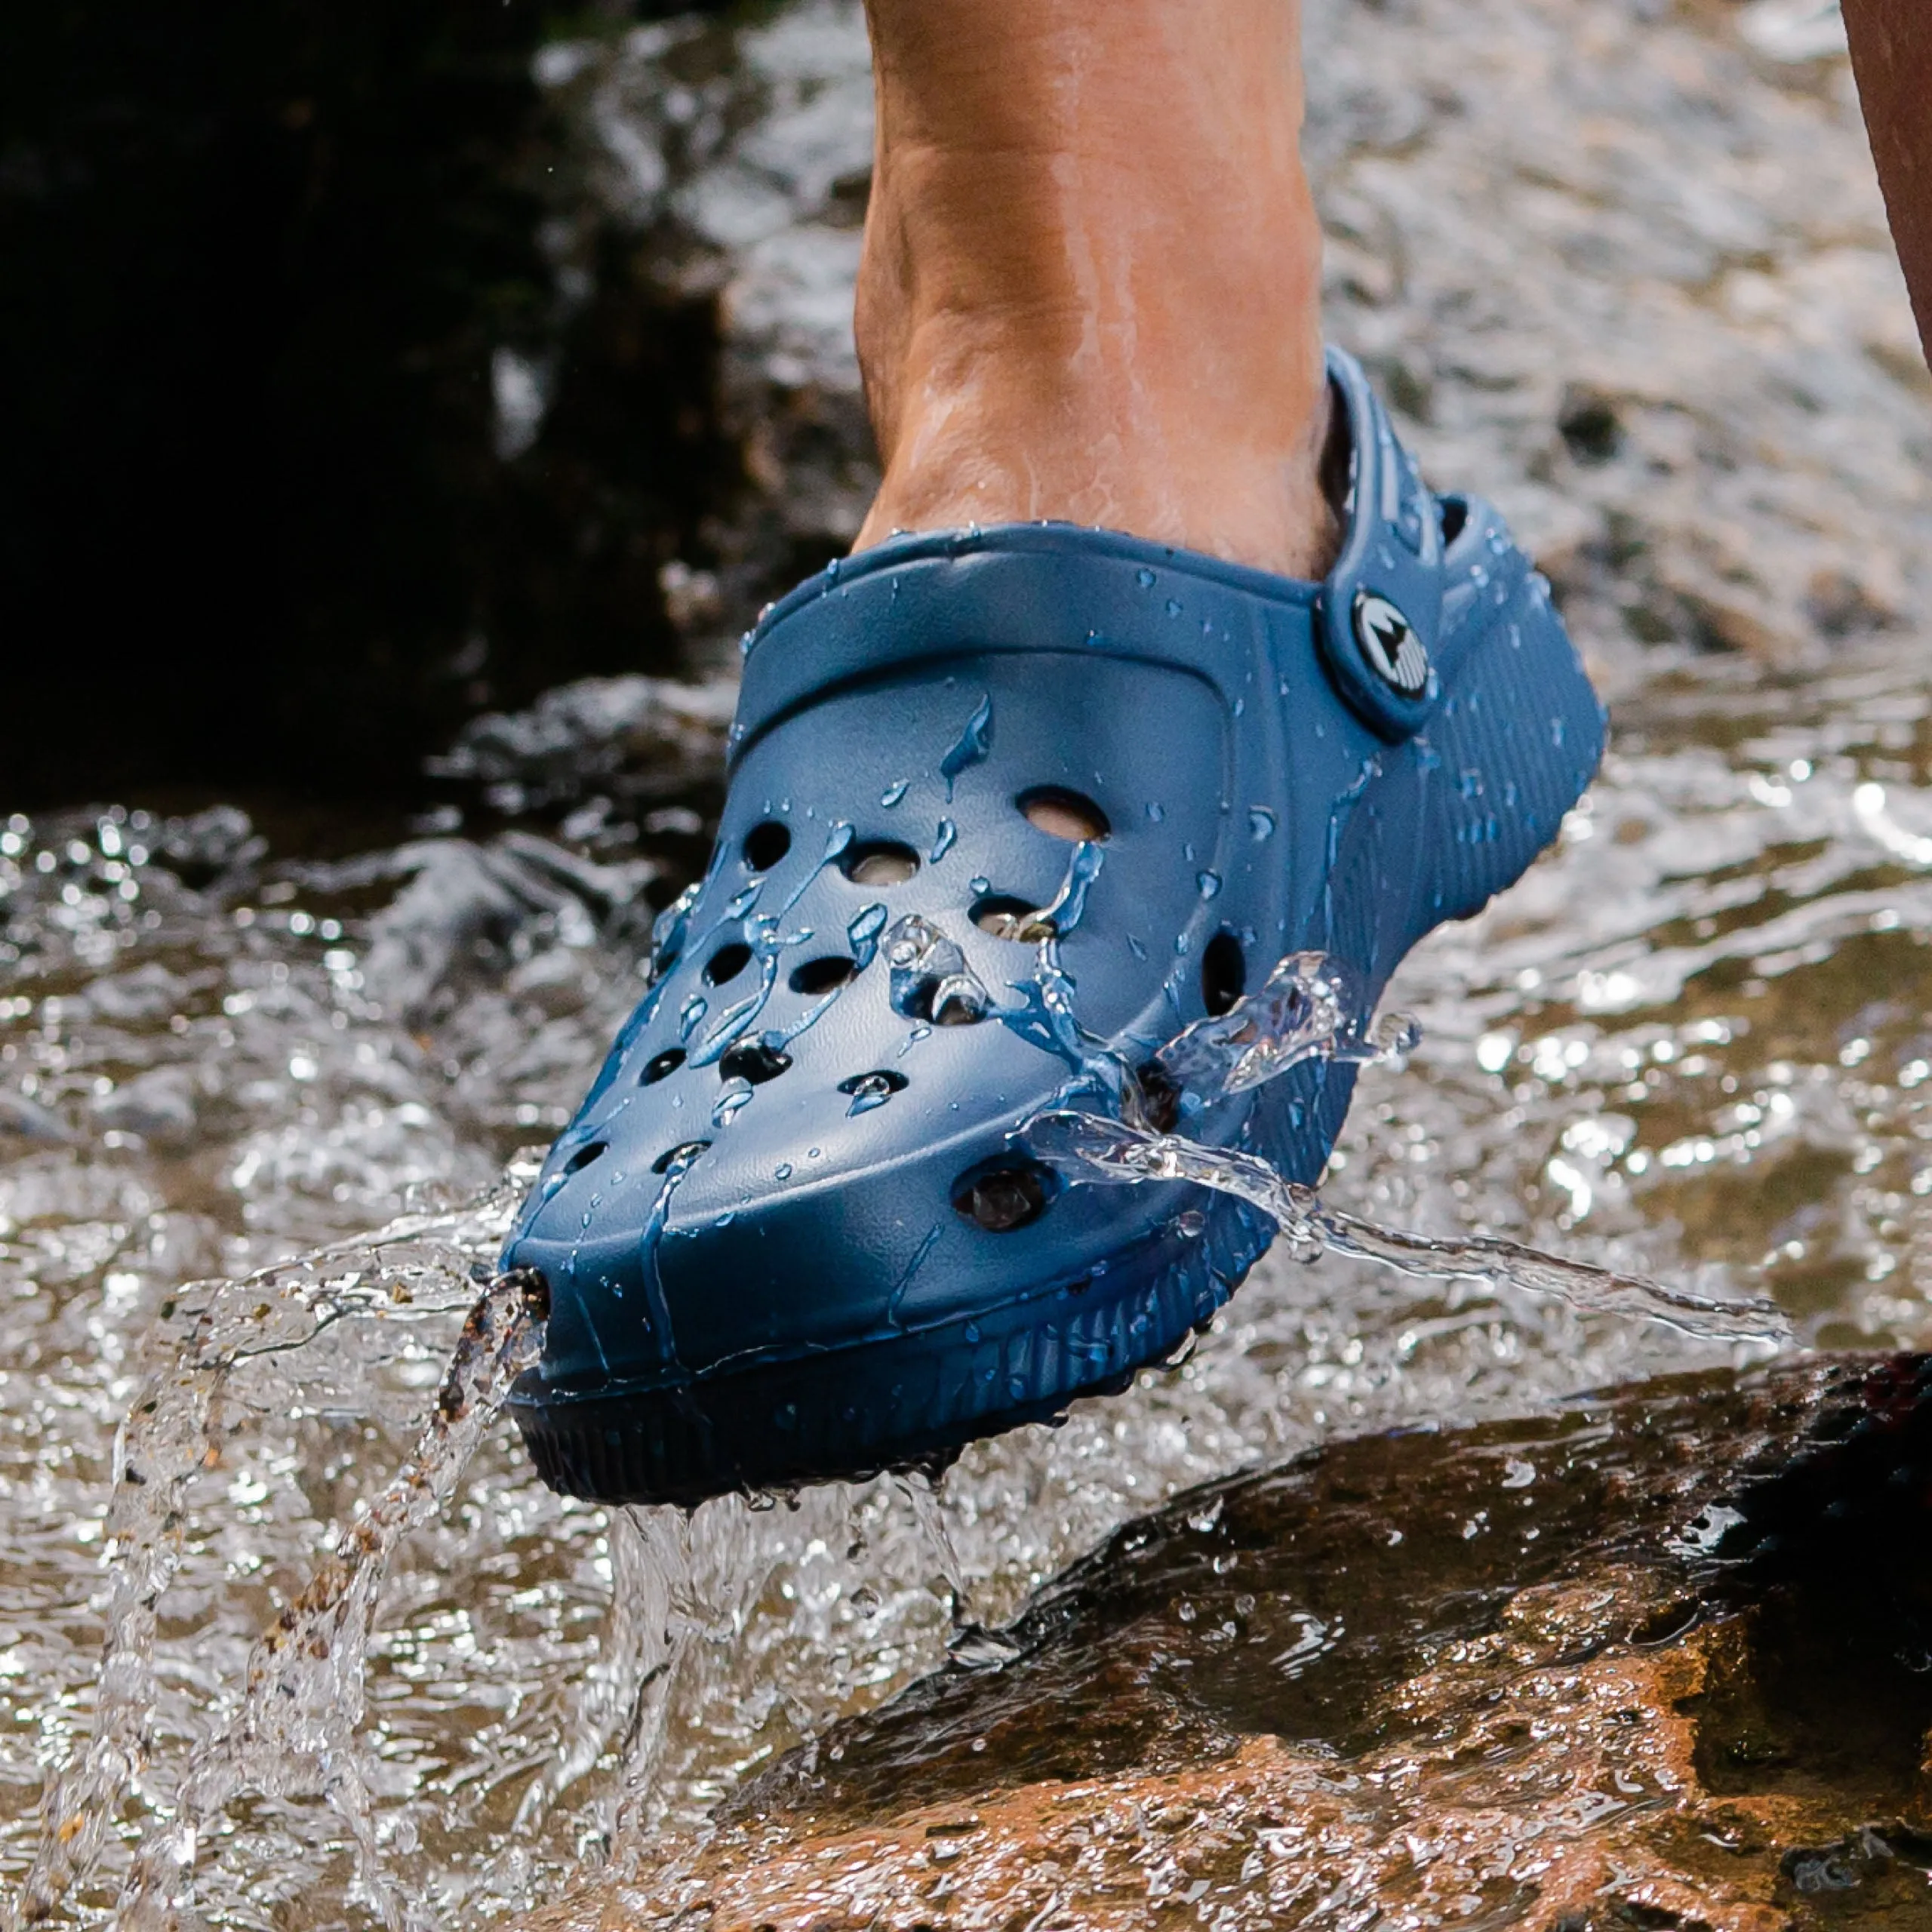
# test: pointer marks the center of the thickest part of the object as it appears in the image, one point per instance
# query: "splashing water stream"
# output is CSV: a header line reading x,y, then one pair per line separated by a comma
x,y
304,1695
175,1431
305,1692
1085,1147
1307,1009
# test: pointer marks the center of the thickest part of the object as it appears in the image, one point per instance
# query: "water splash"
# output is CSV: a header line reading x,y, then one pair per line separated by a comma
x,y
930,979
623,1694
969,1643
1309,1008
296,1729
416,1269
1086,1147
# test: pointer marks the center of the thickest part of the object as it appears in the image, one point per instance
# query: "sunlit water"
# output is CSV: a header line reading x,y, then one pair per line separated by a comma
x,y
1691,1045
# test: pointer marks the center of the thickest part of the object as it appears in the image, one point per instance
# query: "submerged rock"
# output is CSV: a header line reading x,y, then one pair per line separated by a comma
x,y
1658,1660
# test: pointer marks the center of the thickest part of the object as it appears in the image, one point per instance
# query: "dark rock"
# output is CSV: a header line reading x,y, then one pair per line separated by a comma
x,y
1657,1660
272,510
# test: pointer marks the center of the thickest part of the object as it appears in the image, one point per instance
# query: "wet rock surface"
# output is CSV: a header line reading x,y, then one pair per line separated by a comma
x,y
1658,1658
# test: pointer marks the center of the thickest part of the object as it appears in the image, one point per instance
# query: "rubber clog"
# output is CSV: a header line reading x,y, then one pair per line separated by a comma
x,y
791,1233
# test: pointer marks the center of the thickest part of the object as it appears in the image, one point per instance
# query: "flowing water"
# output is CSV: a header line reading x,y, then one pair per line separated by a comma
x,y
1713,1074
1691,1047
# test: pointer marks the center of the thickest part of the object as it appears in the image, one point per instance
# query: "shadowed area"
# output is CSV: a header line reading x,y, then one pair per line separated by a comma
x,y
280,499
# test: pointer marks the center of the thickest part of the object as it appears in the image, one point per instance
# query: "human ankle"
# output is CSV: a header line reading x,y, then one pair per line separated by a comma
x,y
1106,313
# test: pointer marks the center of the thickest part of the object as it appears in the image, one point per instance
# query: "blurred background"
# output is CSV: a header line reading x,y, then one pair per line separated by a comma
x,y
361,375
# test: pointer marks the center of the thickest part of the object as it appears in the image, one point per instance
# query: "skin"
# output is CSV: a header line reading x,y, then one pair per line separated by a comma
x,y
1090,285
1891,56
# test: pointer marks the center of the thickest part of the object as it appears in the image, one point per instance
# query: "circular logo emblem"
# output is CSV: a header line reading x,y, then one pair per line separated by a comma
x,y
1389,643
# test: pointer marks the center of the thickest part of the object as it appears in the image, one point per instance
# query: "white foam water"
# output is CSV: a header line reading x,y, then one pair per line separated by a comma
x,y
303,1694
296,1728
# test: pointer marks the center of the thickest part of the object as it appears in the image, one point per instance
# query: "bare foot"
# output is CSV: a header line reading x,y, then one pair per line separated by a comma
x,y
1092,270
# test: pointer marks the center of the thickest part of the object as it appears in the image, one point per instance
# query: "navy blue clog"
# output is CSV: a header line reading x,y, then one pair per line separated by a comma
x,y
1008,810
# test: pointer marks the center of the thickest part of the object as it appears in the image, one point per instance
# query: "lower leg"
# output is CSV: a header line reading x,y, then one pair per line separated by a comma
x,y
1090,284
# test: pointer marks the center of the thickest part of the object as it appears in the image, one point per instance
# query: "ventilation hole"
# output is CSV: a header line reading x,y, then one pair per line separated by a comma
x,y
1338,458
765,844
754,1062
945,1001
881,862
728,962
1002,1199
1007,918
1160,1098
820,976
874,1086
688,1150
1064,814
1454,512
661,1066
1223,972
582,1158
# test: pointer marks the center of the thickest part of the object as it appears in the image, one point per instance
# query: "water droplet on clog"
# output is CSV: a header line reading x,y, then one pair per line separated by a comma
x,y
1210,884
891,795
1260,823
975,742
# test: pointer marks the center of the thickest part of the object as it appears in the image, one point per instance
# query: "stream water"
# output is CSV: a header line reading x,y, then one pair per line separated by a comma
x,y
1691,1047
1713,1076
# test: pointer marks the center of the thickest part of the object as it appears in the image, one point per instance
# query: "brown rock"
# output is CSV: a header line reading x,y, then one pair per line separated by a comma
x,y
1650,1662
